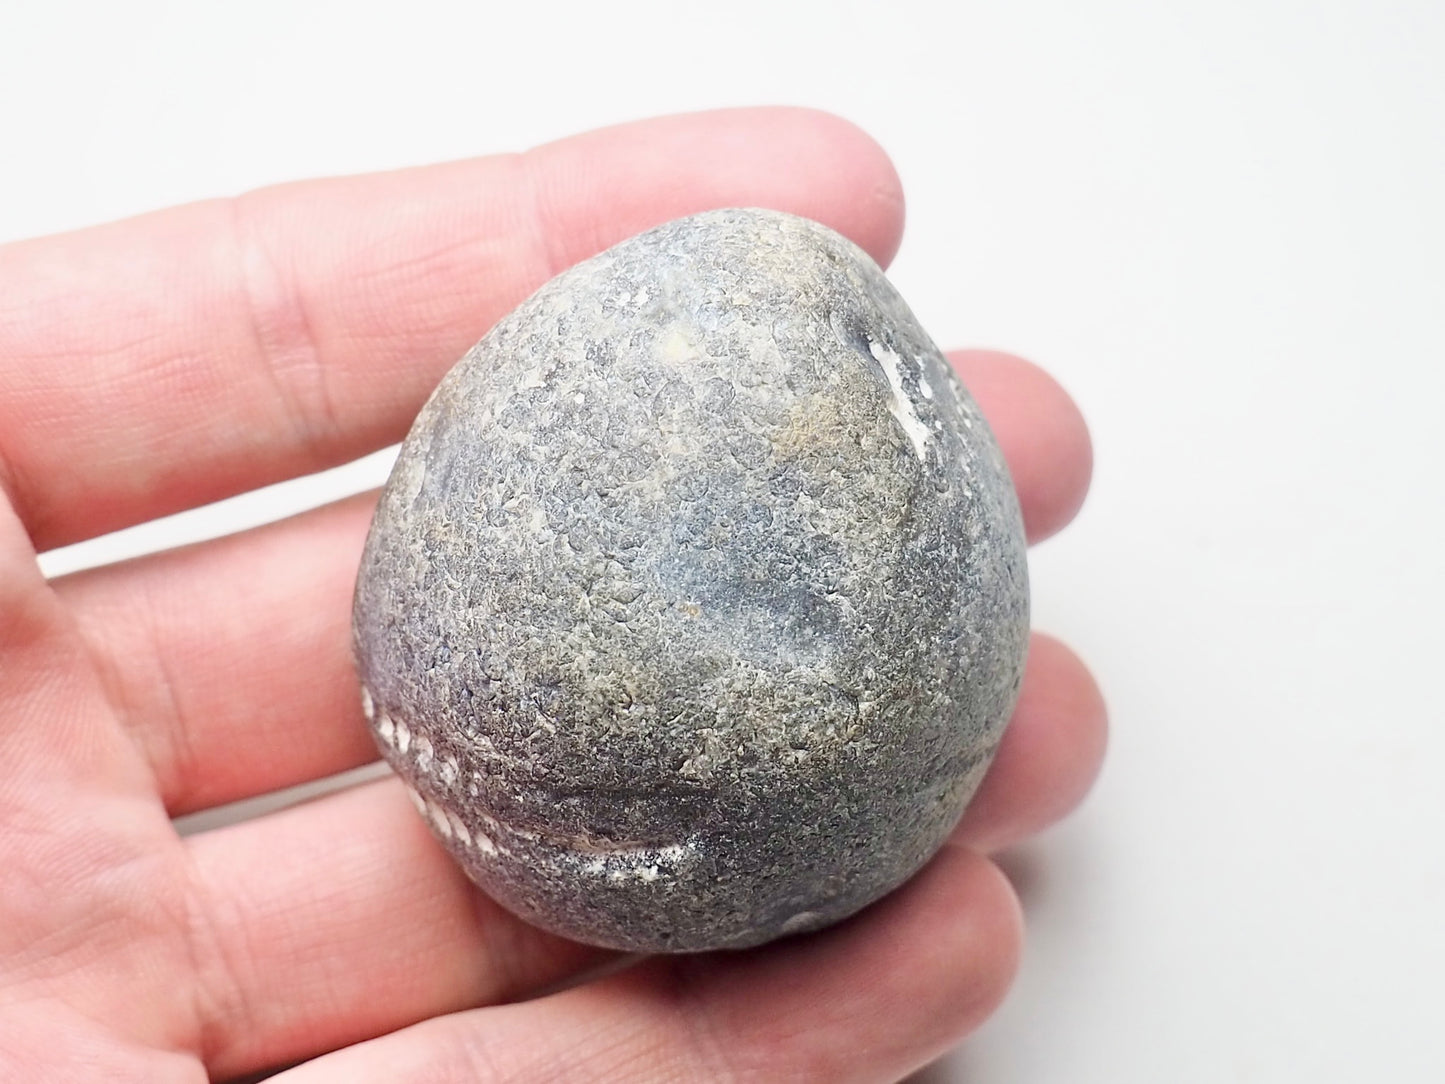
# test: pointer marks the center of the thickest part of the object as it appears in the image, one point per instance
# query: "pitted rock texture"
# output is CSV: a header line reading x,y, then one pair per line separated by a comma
x,y
696,603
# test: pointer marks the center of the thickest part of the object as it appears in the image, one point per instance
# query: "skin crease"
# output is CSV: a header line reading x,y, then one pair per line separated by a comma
x,y
165,361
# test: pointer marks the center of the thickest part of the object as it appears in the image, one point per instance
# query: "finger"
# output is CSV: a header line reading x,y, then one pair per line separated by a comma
x,y
229,662
870,1000
359,873
1050,754
342,919
1043,435
169,360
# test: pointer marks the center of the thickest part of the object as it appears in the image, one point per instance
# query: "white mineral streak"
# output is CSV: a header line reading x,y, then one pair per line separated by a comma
x,y
616,862
901,406
801,921
438,817
459,830
925,389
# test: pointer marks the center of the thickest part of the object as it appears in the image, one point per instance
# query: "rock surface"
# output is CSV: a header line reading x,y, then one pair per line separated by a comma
x,y
696,603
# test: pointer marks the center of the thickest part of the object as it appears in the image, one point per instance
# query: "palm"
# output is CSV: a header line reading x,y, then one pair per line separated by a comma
x,y
99,897
171,360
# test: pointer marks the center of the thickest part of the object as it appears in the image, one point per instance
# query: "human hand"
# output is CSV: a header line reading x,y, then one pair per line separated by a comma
x,y
174,359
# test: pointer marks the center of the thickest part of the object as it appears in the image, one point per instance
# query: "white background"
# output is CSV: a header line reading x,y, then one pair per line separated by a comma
x,y
1220,224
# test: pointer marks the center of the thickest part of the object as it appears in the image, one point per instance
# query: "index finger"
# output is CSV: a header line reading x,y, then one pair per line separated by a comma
x,y
166,361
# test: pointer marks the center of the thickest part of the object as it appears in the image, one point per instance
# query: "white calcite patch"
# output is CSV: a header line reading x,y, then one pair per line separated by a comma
x,y
422,750
368,705
676,348
385,728
438,817
803,920
447,770
901,406
403,737
459,830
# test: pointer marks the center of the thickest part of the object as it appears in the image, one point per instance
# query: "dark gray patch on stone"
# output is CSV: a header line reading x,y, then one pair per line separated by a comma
x,y
696,603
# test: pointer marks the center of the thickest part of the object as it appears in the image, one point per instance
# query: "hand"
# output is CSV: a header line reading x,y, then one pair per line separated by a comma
x,y
173,359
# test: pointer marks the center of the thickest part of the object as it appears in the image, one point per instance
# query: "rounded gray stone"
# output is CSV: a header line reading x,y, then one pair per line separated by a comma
x,y
696,603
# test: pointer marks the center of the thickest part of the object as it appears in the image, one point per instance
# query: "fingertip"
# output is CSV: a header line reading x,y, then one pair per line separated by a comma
x,y
899,983
867,203
1072,693
788,158
987,929
1041,430
1051,753
824,167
